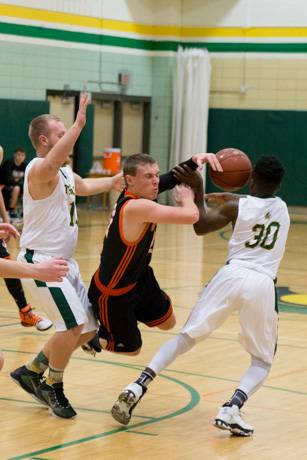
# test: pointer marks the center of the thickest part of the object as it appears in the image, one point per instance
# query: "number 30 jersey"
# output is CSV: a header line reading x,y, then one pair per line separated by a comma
x,y
50,224
260,234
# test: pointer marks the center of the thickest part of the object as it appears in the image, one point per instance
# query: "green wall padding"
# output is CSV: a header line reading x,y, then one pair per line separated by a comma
x,y
15,117
83,152
265,132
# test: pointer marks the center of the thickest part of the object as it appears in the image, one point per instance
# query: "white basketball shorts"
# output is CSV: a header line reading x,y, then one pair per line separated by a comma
x,y
66,303
250,292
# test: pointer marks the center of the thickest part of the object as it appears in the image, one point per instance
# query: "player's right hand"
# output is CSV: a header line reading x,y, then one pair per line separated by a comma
x,y
81,115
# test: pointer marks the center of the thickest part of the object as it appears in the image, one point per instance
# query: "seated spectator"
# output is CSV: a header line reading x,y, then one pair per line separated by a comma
x,y
27,316
12,176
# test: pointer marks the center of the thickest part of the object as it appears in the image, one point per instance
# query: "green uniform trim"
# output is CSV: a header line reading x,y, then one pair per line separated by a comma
x,y
57,295
29,258
64,307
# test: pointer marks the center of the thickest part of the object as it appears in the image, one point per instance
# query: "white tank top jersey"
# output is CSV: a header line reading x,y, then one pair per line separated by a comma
x,y
50,225
260,234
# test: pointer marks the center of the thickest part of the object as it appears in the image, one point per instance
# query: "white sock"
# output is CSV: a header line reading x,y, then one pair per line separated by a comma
x,y
254,376
169,352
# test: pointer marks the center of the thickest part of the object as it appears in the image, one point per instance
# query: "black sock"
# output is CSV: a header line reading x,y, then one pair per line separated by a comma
x,y
237,399
16,290
146,377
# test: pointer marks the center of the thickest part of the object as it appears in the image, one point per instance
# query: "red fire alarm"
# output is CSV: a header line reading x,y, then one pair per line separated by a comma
x,y
123,79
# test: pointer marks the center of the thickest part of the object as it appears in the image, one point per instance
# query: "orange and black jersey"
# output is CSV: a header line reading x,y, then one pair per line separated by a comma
x,y
122,263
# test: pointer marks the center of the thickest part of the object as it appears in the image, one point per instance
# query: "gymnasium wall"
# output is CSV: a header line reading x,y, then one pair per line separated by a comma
x,y
52,44
258,51
265,132
15,117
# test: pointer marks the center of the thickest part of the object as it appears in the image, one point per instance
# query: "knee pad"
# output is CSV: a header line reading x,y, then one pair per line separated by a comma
x,y
185,342
259,363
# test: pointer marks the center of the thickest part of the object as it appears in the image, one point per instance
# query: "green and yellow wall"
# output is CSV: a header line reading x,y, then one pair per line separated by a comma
x,y
258,52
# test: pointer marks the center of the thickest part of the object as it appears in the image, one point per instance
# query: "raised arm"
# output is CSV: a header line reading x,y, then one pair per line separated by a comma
x,y
47,169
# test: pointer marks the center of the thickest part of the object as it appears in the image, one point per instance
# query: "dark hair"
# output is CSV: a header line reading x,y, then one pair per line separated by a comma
x,y
268,172
20,149
40,125
132,163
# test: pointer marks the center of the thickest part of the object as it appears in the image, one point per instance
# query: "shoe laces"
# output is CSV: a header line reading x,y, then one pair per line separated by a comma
x,y
87,348
240,413
59,396
38,378
27,313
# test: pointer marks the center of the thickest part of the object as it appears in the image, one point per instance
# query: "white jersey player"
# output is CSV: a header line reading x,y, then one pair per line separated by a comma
x,y
245,283
50,229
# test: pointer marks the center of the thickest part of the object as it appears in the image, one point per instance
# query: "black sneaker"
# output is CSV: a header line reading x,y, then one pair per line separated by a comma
x,y
93,346
29,381
13,214
56,400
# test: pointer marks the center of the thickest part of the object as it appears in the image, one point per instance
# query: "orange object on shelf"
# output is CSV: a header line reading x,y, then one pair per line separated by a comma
x,y
111,160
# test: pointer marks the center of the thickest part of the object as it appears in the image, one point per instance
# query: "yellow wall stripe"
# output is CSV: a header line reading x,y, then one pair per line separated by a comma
x,y
48,16
150,30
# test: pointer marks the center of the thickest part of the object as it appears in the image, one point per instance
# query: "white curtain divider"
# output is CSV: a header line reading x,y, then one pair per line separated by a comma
x,y
190,104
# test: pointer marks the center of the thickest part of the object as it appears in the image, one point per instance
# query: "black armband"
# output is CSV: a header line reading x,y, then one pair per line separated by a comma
x,y
169,181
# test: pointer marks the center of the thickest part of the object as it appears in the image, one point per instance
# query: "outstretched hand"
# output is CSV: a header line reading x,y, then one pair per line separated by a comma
x,y
209,158
51,270
7,230
118,182
81,115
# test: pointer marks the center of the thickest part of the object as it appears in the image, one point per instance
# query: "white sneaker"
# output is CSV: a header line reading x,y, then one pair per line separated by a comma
x,y
126,402
229,418
44,324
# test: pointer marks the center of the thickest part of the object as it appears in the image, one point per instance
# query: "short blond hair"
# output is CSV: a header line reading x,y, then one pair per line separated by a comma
x,y
39,126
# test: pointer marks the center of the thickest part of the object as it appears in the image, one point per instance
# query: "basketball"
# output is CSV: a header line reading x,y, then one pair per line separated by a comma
x,y
237,169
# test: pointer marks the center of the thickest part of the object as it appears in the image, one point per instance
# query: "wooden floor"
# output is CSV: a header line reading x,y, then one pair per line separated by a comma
x,y
174,421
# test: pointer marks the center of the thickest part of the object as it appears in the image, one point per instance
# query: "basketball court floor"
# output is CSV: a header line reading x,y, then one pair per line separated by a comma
x,y
174,420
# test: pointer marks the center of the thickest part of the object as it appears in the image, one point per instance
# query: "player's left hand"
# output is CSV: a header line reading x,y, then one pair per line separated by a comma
x,y
210,158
